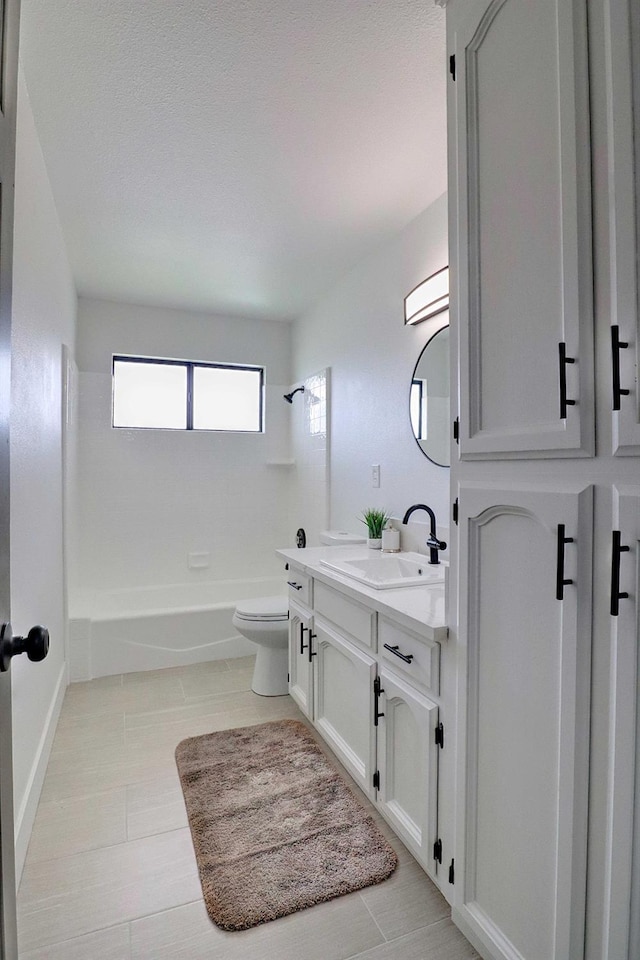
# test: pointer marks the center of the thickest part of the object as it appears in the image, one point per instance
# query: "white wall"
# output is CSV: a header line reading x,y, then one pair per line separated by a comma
x,y
358,331
44,307
149,498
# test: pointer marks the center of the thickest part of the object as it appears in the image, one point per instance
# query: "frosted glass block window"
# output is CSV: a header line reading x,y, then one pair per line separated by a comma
x,y
187,395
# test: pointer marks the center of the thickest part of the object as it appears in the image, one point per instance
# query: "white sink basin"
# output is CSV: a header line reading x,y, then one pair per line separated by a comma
x,y
392,571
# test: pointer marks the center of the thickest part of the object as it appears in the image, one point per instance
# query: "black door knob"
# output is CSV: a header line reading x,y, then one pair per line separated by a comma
x,y
35,645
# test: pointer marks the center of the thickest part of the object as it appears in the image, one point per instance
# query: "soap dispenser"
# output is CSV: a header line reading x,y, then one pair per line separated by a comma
x,y
390,539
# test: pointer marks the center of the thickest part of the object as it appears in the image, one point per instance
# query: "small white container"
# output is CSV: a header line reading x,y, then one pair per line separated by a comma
x,y
390,539
374,543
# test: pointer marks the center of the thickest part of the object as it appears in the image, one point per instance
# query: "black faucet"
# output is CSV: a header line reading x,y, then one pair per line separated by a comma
x,y
433,543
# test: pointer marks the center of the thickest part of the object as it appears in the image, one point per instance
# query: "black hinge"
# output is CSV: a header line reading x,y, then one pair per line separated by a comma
x,y
437,850
452,65
288,679
440,735
455,511
376,780
452,872
456,429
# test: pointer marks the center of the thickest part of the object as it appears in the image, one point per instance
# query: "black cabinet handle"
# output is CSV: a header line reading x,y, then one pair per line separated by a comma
x,y
303,646
377,690
561,581
312,652
563,361
296,586
616,346
396,652
617,548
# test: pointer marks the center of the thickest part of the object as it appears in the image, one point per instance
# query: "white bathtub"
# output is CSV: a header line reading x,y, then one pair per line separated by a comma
x,y
147,628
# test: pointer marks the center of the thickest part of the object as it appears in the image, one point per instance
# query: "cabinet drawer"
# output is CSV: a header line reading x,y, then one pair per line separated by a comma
x,y
423,656
348,615
300,587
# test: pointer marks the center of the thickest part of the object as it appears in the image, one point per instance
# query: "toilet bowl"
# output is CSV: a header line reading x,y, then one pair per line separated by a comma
x,y
265,621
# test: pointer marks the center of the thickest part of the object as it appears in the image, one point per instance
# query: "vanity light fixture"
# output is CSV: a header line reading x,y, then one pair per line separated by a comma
x,y
428,298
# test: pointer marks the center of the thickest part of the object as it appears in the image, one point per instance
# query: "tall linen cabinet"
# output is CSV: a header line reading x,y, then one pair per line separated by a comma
x,y
544,107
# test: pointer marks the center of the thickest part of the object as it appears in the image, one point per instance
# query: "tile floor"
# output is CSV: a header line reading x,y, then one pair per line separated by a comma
x,y
110,872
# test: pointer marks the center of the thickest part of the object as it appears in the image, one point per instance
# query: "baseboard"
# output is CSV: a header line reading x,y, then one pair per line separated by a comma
x,y
25,816
483,935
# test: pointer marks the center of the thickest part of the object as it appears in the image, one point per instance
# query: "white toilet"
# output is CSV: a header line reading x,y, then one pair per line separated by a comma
x,y
265,620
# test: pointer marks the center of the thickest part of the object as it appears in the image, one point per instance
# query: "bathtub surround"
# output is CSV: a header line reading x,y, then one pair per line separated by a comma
x,y
358,329
310,423
44,311
275,828
150,498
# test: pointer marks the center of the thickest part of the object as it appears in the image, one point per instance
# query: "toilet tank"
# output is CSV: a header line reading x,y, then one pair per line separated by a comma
x,y
340,537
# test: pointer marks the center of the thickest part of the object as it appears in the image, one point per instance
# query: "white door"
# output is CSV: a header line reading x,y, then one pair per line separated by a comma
x,y
9,21
343,702
300,658
524,633
408,766
523,258
623,106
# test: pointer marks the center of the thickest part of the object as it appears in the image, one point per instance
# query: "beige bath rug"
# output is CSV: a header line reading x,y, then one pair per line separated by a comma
x,y
274,827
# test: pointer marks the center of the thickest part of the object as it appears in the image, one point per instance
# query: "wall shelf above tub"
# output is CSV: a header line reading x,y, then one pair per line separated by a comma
x,y
280,463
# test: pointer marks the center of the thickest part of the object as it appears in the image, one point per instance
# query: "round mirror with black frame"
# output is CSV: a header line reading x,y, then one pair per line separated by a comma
x,y
429,399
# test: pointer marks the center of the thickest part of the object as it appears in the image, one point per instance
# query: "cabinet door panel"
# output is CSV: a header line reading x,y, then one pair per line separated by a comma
x,y
623,121
527,726
351,618
523,228
343,698
408,766
622,913
300,668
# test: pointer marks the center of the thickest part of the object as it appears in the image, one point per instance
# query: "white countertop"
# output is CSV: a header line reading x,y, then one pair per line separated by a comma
x,y
418,608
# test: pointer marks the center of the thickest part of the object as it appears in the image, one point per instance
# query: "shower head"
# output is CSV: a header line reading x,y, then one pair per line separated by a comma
x,y
289,396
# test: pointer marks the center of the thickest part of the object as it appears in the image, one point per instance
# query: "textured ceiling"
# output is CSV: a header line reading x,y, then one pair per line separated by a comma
x,y
234,155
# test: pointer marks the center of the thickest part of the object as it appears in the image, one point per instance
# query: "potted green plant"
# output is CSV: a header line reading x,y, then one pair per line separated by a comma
x,y
375,521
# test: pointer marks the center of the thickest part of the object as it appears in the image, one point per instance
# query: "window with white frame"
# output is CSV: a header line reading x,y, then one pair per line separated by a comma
x,y
155,393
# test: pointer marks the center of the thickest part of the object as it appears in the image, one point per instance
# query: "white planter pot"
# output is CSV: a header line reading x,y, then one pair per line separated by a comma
x,y
374,543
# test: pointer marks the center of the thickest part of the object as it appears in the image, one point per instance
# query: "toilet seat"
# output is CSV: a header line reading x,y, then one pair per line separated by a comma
x,y
263,609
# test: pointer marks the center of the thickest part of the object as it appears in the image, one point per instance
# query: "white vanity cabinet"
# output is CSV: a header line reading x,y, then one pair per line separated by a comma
x,y
300,665
343,694
407,753
300,587
371,687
